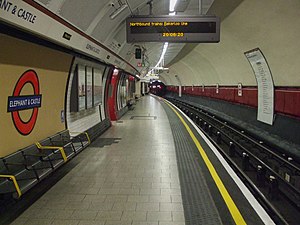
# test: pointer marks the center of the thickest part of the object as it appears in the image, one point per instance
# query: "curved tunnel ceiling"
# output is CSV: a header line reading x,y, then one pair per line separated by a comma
x,y
93,17
271,25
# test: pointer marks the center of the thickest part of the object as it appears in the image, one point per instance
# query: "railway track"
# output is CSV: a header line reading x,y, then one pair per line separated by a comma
x,y
271,174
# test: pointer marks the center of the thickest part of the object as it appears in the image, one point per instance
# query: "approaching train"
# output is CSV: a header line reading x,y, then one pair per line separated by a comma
x,y
157,87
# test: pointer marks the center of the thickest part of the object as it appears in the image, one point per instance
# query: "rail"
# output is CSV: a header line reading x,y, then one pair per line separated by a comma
x,y
253,154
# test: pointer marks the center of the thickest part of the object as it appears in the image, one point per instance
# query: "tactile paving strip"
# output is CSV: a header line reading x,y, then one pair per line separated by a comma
x,y
198,204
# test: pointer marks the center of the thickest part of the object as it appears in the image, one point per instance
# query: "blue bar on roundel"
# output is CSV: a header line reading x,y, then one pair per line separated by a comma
x,y
17,103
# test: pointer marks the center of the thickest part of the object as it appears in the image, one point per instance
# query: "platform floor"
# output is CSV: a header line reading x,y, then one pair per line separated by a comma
x,y
132,180
130,176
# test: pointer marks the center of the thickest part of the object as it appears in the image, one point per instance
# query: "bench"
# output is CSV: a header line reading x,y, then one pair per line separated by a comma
x,y
22,170
130,104
72,143
25,168
95,131
64,143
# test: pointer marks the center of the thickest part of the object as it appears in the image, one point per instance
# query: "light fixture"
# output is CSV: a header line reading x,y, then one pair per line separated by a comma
x,y
118,11
172,5
171,12
160,68
116,71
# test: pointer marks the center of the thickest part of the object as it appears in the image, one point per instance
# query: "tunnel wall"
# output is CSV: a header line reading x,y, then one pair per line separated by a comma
x,y
52,69
287,100
270,25
284,133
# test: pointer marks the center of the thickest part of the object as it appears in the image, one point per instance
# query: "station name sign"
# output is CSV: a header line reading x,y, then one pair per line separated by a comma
x,y
23,102
180,29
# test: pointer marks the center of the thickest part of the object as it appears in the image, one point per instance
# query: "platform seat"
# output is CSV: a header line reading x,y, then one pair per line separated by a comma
x,y
65,144
80,140
60,150
22,170
48,158
77,141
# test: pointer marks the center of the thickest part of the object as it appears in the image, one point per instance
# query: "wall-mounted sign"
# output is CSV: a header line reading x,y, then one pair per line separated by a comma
x,y
240,90
80,71
18,102
86,90
62,116
67,36
179,91
34,18
89,87
92,48
184,29
97,85
265,85
17,11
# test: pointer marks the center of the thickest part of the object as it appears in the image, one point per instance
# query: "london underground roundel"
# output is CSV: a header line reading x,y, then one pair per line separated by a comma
x,y
18,102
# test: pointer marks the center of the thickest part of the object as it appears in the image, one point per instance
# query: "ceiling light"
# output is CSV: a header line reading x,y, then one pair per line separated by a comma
x,y
171,12
160,68
163,53
172,5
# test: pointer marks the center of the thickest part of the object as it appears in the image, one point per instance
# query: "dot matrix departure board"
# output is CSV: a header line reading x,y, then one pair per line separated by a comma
x,y
191,29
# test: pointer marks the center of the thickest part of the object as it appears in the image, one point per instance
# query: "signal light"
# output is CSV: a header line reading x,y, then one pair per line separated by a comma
x,y
138,53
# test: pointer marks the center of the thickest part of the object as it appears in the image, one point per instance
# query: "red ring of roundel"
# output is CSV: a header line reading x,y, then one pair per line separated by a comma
x,y
30,77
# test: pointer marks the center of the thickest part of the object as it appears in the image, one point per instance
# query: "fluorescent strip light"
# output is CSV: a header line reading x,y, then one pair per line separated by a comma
x,y
171,12
160,68
163,53
172,5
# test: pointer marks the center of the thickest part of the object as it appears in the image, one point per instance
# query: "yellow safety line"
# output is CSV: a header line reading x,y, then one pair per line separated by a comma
x,y
15,183
61,149
234,211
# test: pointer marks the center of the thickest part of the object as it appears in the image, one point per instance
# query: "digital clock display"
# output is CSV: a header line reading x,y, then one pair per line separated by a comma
x,y
179,34
173,29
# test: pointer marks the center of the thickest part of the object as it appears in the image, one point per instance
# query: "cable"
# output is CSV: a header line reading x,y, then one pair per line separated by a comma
x,y
131,12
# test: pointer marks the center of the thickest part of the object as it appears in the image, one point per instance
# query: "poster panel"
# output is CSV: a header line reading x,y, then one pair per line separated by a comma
x,y
97,86
265,85
81,87
89,87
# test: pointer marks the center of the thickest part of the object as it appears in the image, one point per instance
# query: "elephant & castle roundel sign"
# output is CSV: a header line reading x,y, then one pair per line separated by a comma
x,y
18,102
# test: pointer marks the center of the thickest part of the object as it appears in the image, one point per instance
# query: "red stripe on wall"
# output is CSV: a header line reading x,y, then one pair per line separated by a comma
x,y
287,100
